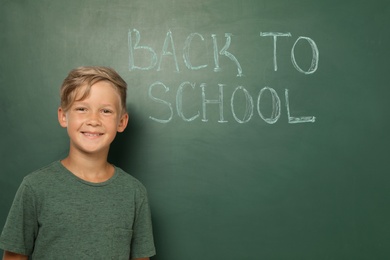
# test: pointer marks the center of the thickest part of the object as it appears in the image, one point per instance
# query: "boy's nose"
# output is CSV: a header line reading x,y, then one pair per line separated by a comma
x,y
94,120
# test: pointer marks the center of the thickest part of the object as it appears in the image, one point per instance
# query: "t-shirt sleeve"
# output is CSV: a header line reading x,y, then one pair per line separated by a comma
x,y
142,244
21,226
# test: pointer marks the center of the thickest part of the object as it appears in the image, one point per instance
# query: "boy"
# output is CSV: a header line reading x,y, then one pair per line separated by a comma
x,y
83,207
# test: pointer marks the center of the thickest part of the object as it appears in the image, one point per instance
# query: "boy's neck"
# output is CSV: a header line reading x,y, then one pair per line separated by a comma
x,y
92,169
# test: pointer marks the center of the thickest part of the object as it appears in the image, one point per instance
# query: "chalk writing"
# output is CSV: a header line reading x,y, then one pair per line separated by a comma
x,y
224,52
275,36
161,101
179,102
168,49
165,52
186,52
248,105
294,120
168,54
315,58
219,101
275,106
136,47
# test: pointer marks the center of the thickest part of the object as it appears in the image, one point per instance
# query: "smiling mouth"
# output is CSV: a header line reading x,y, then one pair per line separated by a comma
x,y
91,134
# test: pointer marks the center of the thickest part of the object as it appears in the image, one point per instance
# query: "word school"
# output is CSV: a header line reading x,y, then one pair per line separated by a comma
x,y
249,105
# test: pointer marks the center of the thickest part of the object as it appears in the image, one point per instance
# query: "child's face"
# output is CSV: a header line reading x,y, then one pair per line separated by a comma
x,y
92,123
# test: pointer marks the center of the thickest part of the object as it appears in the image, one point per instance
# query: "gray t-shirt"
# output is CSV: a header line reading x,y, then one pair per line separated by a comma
x,y
56,215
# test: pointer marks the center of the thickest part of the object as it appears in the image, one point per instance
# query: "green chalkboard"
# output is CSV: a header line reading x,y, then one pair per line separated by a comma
x,y
260,128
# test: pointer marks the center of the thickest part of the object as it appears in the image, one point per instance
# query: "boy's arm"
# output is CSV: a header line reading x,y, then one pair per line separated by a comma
x,y
13,256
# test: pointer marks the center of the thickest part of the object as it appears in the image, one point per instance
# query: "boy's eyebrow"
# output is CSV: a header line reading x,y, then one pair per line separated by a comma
x,y
108,105
79,102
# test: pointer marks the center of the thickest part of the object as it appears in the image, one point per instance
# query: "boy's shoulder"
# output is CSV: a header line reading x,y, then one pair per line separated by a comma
x,y
44,176
127,179
44,172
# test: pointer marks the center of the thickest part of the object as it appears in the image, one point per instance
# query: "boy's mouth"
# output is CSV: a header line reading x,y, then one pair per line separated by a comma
x,y
91,134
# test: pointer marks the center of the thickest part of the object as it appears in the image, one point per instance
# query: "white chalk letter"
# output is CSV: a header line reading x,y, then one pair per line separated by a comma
x,y
157,83
186,52
132,48
179,101
275,106
248,106
218,101
224,52
295,120
275,35
315,58
168,40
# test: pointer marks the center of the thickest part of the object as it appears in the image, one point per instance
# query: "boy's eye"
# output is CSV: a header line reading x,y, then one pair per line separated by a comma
x,y
81,109
106,111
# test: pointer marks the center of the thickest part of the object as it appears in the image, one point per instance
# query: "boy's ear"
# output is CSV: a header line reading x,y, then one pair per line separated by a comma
x,y
123,122
62,117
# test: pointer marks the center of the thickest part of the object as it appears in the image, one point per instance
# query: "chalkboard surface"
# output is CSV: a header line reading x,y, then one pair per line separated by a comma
x,y
260,128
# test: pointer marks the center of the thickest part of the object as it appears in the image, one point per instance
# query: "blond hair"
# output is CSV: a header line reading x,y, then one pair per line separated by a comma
x,y
87,76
